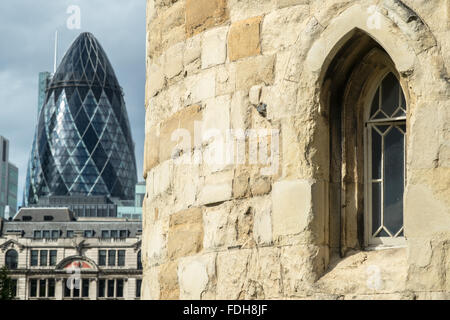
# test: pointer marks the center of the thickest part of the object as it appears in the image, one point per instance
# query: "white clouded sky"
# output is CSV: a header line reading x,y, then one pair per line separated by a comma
x,y
27,29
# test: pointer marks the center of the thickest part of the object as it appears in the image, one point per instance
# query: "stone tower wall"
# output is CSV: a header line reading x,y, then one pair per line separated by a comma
x,y
259,227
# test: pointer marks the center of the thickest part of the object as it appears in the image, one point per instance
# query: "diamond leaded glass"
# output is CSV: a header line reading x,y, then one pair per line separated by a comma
x,y
83,143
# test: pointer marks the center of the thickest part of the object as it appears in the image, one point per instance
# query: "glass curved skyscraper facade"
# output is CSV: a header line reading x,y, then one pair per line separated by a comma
x,y
83,143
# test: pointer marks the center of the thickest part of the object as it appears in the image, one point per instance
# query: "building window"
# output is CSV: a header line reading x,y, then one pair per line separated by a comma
x,y
111,257
14,287
114,234
123,234
85,288
33,287
43,258
48,218
121,258
119,288
69,233
102,257
110,288
67,290
139,261
51,288
385,162
138,288
101,288
79,289
53,255
46,234
105,234
55,234
34,258
42,288
88,233
37,234
11,259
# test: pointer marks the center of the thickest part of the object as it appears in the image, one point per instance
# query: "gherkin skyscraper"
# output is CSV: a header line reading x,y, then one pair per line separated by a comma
x,y
83,144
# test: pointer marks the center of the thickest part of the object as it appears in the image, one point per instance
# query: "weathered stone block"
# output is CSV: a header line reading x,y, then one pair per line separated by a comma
x,y
173,64
151,149
192,49
291,202
204,14
252,71
168,281
177,132
195,276
241,10
201,86
244,39
185,233
216,188
214,47
289,25
287,3
226,79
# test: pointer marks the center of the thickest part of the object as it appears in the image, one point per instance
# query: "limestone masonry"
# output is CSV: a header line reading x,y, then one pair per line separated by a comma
x,y
261,149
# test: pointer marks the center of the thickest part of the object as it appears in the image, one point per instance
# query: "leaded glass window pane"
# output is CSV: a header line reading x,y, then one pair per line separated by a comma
x,y
386,164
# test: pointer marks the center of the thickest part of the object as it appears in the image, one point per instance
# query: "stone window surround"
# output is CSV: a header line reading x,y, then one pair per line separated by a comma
x,y
348,166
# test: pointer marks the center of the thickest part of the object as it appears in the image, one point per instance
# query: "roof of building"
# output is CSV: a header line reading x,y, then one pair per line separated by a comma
x,y
44,215
64,220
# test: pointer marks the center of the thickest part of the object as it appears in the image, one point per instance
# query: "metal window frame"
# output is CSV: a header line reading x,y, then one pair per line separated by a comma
x,y
370,241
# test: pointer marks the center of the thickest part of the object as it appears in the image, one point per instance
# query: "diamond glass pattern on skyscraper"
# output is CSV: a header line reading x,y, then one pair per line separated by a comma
x,y
83,143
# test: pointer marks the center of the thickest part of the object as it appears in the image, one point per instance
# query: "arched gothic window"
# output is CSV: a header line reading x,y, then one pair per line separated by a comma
x,y
385,163
11,259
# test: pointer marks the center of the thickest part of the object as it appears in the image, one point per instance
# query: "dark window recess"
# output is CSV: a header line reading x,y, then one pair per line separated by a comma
x,y
85,288
102,257
34,258
66,288
48,218
105,234
53,254
101,288
114,234
69,233
76,290
51,288
88,233
119,288
111,257
33,287
121,258
139,261
11,259
37,234
55,234
4,151
27,218
42,288
123,234
43,258
138,288
46,234
110,288
14,287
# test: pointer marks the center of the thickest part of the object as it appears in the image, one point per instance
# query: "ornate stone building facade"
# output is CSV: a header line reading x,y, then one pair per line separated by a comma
x,y
51,255
297,149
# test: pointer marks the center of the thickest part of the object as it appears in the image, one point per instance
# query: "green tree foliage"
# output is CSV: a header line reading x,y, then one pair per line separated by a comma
x,y
6,285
